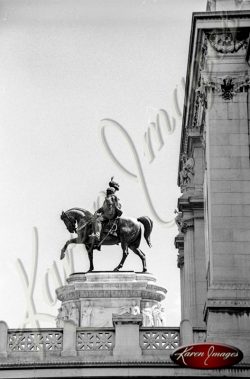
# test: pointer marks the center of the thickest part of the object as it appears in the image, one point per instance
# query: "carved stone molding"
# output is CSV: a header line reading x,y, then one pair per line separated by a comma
x,y
230,286
245,303
191,203
227,41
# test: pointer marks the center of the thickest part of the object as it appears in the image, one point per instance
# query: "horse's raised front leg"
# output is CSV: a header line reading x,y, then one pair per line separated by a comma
x,y
141,255
124,257
73,240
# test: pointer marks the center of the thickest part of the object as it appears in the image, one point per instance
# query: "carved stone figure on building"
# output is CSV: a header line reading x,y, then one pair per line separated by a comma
x,y
179,220
187,171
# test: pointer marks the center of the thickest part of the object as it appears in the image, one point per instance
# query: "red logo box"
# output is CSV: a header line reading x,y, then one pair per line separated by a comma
x,y
207,355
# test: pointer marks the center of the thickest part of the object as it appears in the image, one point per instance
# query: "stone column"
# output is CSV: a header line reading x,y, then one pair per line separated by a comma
x,y
191,259
189,270
127,337
186,332
69,339
179,244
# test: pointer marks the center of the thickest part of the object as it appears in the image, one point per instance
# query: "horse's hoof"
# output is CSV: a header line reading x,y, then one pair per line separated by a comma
x,y
62,255
116,269
144,270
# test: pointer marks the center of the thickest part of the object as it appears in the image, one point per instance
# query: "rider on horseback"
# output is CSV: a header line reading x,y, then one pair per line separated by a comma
x,y
110,210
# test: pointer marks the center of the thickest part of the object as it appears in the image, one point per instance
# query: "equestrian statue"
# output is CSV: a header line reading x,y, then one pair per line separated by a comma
x,y
107,227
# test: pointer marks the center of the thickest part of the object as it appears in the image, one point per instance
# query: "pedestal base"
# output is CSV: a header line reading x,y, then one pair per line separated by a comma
x,y
90,299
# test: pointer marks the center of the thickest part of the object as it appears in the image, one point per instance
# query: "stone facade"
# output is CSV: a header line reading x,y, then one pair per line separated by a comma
x,y
213,219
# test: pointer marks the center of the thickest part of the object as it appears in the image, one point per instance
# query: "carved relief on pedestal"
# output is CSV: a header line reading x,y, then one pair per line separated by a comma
x,y
67,312
134,308
74,314
62,316
153,315
147,315
158,315
86,314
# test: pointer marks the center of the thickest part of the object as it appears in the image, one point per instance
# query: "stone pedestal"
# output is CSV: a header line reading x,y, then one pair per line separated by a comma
x,y
127,343
91,299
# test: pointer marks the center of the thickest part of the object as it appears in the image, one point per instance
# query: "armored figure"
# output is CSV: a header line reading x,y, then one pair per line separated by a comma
x,y
110,210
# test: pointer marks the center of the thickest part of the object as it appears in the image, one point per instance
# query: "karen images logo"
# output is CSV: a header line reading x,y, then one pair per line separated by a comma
x,y
207,355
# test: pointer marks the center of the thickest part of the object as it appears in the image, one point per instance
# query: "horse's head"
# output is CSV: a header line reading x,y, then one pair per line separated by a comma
x,y
69,221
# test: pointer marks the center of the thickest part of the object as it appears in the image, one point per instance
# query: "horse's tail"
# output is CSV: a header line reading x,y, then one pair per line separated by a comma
x,y
148,226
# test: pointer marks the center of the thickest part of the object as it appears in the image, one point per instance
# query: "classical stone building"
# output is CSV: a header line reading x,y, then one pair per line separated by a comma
x,y
214,175
106,325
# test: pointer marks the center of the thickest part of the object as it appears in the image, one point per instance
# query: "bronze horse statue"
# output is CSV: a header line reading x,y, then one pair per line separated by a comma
x,y
128,234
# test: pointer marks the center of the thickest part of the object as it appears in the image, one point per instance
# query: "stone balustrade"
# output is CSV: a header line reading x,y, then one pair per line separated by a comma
x,y
127,339
88,343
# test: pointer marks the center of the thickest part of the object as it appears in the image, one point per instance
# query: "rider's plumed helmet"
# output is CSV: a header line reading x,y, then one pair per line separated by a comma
x,y
114,184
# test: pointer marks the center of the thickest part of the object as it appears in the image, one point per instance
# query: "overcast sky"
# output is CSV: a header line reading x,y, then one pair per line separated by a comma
x,y
65,66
